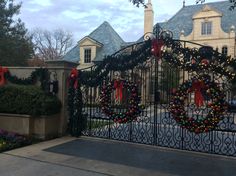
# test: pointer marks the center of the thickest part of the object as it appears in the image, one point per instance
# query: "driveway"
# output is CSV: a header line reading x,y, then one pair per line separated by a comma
x,y
69,156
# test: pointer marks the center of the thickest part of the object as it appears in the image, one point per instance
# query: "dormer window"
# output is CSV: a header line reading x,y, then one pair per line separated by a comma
x,y
206,28
87,55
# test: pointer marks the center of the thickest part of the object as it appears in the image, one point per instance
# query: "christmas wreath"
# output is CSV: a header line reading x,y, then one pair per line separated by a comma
x,y
133,101
203,88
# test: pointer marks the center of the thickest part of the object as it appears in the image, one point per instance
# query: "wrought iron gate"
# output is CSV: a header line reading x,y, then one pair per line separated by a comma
x,y
156,79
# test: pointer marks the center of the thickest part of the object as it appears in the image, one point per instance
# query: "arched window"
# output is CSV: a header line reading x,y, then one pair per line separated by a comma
x,y
225,50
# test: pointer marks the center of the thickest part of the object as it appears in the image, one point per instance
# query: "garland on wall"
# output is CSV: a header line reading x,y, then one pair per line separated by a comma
x,y
41,74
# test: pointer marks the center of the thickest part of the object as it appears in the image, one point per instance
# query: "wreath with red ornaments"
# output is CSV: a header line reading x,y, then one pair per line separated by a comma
x,y
202,87
133,101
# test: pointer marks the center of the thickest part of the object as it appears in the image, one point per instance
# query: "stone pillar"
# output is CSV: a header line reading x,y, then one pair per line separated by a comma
x,y
62,69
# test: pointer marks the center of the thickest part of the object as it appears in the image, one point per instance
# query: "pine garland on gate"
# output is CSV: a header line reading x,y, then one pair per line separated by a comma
x,y
77,121
204,59
192,60
116,62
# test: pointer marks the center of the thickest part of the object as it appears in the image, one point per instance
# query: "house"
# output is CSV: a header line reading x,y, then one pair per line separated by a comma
x,y
211,24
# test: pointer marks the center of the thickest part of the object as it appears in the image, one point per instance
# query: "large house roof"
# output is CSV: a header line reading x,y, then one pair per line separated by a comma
x,y
105,35
182,20
110,39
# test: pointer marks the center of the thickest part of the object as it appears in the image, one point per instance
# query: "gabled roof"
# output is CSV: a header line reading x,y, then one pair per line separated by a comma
x,y
92,40
182,20
105,35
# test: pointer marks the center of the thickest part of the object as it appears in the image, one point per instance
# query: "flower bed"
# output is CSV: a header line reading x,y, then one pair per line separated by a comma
x,y
9,140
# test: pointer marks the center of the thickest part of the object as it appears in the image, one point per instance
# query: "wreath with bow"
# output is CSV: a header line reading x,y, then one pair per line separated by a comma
x,y
203,88
133,101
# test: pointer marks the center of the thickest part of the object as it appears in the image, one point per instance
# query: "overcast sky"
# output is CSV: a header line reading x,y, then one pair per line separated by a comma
x,y
81,17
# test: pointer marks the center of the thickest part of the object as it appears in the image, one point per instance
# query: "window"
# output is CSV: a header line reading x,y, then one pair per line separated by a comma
x,y
206,28
87,55
224,50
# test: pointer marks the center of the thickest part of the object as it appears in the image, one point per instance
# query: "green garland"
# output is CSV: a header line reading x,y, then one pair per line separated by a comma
x,y
77,121
218,105
40,74
116,62
198,60
191,60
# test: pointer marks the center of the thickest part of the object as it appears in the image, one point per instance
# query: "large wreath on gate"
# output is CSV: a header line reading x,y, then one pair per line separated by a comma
x,y
133,109
203,87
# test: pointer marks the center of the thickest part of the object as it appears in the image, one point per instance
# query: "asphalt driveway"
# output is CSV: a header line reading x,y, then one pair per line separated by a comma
x,y
91,156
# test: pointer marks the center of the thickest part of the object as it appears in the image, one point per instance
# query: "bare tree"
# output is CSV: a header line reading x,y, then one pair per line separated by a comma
x,y
51,45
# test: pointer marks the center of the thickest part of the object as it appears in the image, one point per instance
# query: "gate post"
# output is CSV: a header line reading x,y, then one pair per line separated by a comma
x,y
62,69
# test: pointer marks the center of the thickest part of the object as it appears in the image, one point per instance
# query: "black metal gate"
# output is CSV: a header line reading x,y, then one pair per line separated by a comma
x,y
156,78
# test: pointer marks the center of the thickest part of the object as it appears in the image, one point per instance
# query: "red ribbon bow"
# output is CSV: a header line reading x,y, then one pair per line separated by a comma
x,y
198,97
74,77
2,77
118,85
156,47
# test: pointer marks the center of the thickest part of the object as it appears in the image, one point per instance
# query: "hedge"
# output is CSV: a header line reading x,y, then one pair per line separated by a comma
x,y
29,100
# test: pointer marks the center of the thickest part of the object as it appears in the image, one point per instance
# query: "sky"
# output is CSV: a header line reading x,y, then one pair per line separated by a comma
x,y
81,17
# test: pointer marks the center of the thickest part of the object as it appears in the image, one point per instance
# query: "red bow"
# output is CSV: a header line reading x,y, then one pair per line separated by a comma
x,y
2,77
198,97
118,85
74,77
156,47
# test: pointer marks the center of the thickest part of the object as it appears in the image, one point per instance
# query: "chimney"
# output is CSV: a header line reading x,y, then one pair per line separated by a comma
x,y
148,17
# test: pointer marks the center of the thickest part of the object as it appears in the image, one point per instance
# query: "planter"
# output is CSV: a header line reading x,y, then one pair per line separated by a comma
x,y
43,127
